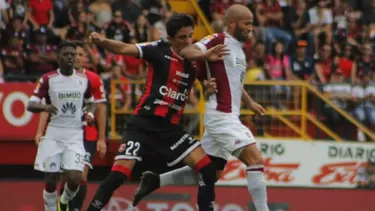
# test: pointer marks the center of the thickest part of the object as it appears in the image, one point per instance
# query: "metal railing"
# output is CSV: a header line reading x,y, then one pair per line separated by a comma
x,y
283,116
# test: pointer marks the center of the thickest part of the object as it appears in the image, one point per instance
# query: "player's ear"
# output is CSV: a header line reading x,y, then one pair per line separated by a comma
x,y
170,39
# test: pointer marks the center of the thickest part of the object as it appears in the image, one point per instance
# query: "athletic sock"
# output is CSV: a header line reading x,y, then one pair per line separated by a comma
x,y
104,193
256,184
68,194
50,201
181,176
77,201
206,180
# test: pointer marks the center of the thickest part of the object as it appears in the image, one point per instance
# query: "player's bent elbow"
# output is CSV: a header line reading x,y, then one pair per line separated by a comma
x,y
30,107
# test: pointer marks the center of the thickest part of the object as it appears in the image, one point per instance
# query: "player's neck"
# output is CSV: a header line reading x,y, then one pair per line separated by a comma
x,y
176,51
67,71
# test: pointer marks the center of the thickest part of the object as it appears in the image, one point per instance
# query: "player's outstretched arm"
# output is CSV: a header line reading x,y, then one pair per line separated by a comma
x,y
194,53
114,46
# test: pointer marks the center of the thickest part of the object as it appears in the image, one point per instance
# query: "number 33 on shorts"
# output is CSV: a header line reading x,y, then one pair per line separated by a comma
x,y
129,150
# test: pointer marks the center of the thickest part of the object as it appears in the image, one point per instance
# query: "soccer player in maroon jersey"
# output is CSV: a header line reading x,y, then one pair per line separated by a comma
x,y
224,135
155,123
94,135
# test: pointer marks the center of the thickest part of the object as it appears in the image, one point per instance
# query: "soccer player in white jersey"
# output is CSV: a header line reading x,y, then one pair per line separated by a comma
x,y
65,92
224,135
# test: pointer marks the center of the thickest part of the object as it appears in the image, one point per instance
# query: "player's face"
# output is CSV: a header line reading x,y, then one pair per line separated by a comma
x,y
243,28
183,38
80,56
66,57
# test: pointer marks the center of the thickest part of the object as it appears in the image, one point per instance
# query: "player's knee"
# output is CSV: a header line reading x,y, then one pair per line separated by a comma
x,y
50,181
74,179
251,156
207,171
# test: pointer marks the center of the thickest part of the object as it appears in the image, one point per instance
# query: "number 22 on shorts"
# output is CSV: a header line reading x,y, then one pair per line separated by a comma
x,y
130,148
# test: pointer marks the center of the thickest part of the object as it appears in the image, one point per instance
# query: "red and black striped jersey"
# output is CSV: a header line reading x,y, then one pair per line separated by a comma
x,y
169,81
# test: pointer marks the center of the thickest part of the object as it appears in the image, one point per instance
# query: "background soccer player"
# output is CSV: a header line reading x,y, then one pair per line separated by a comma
x,y
224,133
155,123
94,135
65,92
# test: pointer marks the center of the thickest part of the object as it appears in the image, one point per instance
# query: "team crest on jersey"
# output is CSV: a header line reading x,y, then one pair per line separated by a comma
x,y
122,148
80,82
208,38
69,108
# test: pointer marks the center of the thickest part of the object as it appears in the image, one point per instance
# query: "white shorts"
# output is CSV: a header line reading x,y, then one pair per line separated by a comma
x,y
225,135
60,149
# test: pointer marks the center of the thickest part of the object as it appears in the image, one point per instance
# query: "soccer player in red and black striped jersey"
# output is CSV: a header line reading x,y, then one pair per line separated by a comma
x,y
94,139
155,123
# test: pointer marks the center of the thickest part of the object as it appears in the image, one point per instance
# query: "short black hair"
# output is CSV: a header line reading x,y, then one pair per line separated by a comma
x,y
78,43
178,21
66,44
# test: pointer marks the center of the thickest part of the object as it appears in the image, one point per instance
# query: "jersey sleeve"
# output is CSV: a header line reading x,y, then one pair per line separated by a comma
x,y
98,90
41,90
89,98
149,51
210,41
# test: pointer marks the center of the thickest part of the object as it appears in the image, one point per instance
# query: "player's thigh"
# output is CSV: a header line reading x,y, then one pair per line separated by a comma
x,y
90,151
175,145
131,148
73,157
214,148
48,158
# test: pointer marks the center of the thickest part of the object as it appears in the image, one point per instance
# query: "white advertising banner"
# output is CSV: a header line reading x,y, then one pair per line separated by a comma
x,y
323,164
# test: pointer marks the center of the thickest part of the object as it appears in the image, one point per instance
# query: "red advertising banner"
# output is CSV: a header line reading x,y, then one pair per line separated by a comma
x,y
15,198
16,123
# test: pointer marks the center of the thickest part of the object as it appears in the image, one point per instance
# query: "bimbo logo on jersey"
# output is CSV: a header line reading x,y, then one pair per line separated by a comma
x,y
70,95
165,91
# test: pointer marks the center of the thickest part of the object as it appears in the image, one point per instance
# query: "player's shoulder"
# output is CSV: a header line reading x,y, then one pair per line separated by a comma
x,y
92,76
217,37
49,75
161,43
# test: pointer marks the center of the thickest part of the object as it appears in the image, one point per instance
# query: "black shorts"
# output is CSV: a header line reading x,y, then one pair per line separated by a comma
x,y
90,147
153,135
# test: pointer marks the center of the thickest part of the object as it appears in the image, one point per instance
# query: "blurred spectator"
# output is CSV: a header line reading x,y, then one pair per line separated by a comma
x,y
154,9
76,8
302,27
270,18
41,55
13,59
80,29
102,11
92,56
303,68
366,175
18,9
218,9
339,93
141,30
17,26
159,29
351,34
134,67
368,18
365,63
279,69
364,99
118,28
322,20
4,18
345,61
129,9
324,65
108,60
41,13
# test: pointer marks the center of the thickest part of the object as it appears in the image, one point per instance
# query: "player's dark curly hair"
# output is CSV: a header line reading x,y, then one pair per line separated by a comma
x,y
178,21
66,44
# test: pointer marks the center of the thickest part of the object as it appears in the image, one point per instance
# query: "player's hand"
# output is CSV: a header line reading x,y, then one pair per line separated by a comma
x,y
257,108
101,147
37,139
96,38
217,53
210,86
50,109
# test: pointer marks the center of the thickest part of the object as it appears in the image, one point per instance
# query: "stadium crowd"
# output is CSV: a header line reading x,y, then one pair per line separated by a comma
x,y
329,43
